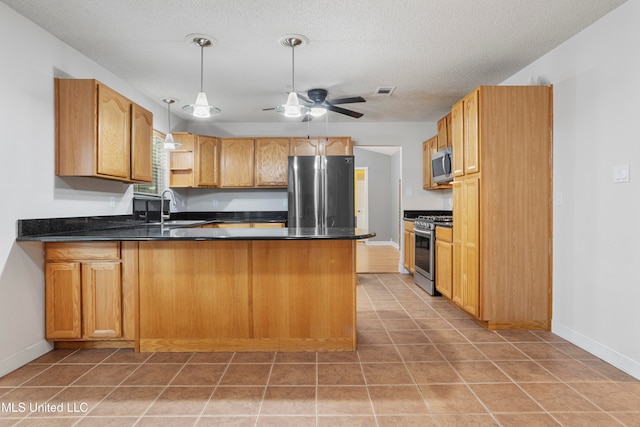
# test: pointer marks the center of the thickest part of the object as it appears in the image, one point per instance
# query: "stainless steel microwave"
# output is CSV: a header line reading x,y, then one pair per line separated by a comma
x,y
441,166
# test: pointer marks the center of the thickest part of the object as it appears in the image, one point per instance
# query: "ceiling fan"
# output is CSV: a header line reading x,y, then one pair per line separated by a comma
x,y
319,105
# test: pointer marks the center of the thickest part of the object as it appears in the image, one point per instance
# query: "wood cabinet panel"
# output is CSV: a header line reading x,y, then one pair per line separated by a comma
x,y
471,135
471,246
409,239
101,300
206,154
444,263
291,296
141,144
62,300
272,162
236,162
444,132
459,213
83,251
195,290
337,146
181,162
457,138
305,147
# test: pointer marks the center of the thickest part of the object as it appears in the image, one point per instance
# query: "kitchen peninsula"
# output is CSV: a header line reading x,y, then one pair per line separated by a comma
x,y
201,288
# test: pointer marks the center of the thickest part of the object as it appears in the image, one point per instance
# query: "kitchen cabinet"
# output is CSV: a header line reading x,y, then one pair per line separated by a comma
x,y
100,133
502,206
429,147
90,291
444,132
195,164
465,136
236,162
409,247
271,162
333,146
444,261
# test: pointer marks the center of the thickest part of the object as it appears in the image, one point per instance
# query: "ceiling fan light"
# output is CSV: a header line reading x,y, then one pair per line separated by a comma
x,y
317,111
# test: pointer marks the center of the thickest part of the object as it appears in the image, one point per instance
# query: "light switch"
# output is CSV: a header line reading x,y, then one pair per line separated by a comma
x,y
621,173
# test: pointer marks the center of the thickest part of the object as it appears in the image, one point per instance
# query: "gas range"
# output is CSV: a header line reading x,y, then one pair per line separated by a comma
x,y
429,222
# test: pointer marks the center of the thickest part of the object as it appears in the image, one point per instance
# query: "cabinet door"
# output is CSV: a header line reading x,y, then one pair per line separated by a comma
x,y
471,135
62,300
412,252
444,267
457,138
471,247
114,133
304,147
236,163
459,213
407,250
141,144
272,156
206,157
340,146
101,300
444,138
426,165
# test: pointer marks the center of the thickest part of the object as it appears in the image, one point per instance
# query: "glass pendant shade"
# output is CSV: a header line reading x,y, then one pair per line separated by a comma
x,y
169,143
292,107
201,108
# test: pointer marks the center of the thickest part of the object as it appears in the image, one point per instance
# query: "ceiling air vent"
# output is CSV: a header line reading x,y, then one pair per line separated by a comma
x,y
384,90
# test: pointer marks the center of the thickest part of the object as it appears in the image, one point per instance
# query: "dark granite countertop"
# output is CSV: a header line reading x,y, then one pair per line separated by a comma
x,y
184,226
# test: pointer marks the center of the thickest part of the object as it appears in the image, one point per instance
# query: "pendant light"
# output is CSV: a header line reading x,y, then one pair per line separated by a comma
x,y
169,143
292,108
201,108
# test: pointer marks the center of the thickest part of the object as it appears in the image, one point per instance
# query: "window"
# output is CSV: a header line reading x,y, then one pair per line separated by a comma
x,y
159,181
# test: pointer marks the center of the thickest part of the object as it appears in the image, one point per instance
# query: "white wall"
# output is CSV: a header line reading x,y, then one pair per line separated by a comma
x,y
596,85
29,188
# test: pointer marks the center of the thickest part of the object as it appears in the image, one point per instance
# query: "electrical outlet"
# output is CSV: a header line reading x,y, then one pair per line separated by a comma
x,y
621,173
112,202
215,203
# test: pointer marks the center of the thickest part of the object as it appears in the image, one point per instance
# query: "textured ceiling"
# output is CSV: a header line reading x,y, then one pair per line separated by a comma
x,y
433,51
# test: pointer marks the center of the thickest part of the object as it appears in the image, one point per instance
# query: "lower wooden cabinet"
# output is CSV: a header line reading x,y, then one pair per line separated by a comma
x,y
90,291
409,246
444,261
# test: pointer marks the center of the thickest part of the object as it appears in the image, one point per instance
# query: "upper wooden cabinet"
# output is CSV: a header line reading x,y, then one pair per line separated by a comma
x,y
465,137
444,132
333,146
429,147
236,162
196,162
502,206
271,162
100,133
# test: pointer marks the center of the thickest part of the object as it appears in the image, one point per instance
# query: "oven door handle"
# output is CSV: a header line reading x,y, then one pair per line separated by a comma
x,y
423,233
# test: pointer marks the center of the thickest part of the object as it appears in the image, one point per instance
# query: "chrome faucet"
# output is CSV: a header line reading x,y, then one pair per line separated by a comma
x,y
175,203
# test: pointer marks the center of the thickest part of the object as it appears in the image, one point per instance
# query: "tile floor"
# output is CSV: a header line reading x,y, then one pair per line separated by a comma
x,y
420,362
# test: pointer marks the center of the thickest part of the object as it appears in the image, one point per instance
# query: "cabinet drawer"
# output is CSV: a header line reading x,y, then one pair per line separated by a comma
x,y
408,226
445,234
83,250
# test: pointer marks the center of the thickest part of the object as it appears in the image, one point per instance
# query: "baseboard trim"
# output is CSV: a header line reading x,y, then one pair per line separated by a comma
x,y
24,356
609,355
381,243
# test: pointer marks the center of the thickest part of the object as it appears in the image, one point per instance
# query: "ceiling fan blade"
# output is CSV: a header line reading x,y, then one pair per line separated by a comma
x,y
270,109
304,98
344,111
345,100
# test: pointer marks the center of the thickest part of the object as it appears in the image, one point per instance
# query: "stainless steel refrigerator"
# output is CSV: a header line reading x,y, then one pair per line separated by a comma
x,y
320,191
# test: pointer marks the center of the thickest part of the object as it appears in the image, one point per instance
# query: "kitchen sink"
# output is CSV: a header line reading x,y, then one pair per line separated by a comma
x,y
178,223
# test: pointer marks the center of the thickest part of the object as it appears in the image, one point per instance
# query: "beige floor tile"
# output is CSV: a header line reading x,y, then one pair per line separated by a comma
x,y
344,400
451,399
235,401
395,400
504,398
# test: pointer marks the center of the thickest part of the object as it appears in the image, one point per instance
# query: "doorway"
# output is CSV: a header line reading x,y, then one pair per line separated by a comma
x,y
361,187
